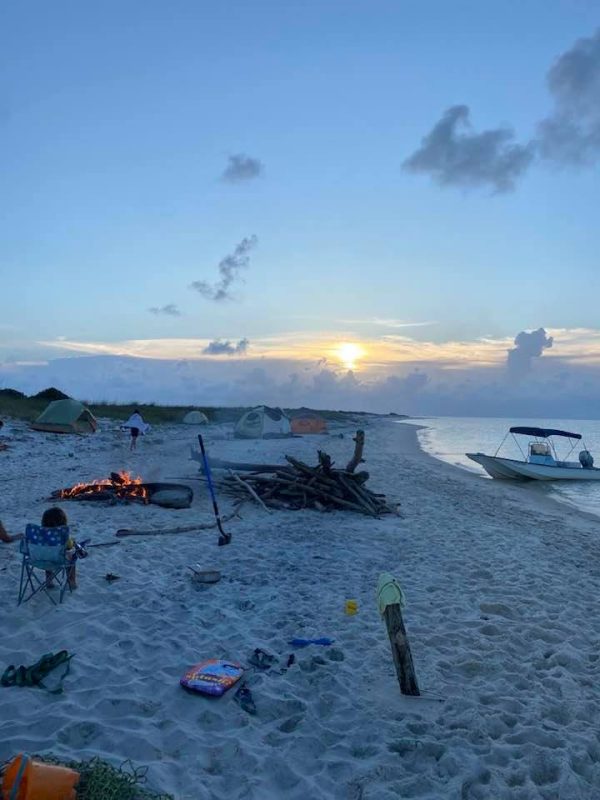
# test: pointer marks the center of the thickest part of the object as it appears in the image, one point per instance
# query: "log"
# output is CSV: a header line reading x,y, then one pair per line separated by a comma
x,y
359,444
360,496
250,490
101,544
390,599
171,531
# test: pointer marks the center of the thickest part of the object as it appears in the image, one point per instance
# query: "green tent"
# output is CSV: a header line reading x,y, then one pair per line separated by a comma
x,y
66,416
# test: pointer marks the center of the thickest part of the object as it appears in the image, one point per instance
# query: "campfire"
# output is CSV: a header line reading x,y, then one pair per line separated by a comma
x,y
121,487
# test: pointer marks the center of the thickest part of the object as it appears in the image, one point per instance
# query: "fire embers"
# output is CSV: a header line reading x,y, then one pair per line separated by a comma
x,y
120,487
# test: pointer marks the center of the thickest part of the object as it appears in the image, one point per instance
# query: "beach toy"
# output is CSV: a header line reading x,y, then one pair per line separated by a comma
x,y
351,607
25,779
305,642
212,677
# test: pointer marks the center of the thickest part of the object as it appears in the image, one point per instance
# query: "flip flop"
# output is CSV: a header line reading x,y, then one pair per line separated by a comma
x,y
243,697
261,659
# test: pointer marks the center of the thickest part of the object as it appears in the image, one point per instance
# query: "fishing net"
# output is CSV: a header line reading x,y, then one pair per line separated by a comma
x,y
102,781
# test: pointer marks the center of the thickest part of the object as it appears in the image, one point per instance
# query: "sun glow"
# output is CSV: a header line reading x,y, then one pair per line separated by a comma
x,y
349,353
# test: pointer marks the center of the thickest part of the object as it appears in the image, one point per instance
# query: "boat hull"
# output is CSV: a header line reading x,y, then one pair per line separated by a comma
x,y
512,470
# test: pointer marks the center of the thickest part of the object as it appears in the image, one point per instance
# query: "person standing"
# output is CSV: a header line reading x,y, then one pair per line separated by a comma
x,y
137,427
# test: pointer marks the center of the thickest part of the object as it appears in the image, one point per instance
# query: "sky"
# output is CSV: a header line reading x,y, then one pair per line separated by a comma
x,y
390,206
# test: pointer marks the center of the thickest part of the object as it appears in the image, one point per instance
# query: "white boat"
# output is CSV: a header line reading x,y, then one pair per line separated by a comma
x,y
541,462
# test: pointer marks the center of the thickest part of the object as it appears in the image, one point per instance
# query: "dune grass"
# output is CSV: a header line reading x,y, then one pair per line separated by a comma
x,y
18,406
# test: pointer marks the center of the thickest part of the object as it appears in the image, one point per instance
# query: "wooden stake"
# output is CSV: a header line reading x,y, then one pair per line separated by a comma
x,y
392,614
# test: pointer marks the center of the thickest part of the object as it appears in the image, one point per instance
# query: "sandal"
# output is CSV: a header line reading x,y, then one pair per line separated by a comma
x,y
261,659
243,697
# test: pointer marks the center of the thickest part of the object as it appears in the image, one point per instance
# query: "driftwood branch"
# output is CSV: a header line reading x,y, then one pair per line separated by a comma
x,y
357,458
171,531
250,490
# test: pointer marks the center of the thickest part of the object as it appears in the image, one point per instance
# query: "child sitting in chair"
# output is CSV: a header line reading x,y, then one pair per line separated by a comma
x,y
55,518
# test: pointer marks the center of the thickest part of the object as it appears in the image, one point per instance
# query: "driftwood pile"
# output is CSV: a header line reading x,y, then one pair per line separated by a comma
x,y
300,486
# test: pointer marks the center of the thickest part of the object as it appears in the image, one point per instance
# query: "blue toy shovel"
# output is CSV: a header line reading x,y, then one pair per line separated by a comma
x,y
224,538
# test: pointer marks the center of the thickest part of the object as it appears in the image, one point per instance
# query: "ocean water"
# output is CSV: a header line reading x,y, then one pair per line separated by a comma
x,y
449,438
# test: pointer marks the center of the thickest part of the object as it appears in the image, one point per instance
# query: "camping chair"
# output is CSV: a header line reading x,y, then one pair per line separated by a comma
x,y
44,549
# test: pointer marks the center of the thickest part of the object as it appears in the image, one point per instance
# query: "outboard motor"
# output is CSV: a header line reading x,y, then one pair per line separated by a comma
x,y
586,459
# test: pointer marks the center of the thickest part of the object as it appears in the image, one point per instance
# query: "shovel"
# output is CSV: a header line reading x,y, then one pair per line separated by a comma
x,y
224,538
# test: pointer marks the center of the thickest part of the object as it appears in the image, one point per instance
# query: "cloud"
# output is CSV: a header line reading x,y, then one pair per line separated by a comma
x,y
229,270
226,348
528,345
455,156
571,134
170,310
241,167
563,388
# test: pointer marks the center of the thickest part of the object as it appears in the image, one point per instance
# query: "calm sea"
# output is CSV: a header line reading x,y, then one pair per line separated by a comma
x,y
449,438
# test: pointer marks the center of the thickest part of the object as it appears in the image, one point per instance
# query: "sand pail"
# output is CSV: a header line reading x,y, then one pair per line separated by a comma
x,y
351,607
25,779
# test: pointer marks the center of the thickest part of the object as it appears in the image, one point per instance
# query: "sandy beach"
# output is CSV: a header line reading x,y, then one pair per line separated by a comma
x,y
501,588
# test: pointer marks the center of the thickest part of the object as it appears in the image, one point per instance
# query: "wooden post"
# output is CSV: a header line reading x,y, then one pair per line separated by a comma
x,y
392,614
359,444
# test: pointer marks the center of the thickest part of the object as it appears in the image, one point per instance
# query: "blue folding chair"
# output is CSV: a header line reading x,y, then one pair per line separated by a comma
x,y
44,550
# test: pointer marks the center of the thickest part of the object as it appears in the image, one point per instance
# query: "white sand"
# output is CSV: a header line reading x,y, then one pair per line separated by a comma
x,y
502,617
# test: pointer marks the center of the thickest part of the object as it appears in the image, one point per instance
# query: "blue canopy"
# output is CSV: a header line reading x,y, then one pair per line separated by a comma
x,y
545,432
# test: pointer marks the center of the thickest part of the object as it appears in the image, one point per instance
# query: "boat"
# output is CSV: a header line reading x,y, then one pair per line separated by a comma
x,y
541,462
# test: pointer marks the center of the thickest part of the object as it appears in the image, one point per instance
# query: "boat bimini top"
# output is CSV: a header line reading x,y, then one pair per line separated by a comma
x,y
544,433
545,452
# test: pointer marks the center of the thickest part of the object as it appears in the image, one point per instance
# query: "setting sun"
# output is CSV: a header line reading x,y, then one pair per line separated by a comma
x,y
349,353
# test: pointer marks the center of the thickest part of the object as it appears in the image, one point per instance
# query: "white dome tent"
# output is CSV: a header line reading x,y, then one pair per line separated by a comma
x,y
195,418
263,422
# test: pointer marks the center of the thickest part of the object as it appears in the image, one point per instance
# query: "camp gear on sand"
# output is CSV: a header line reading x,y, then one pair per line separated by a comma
x,y
263,422
44,550
195,418
98,780
244,698
26,779
224,538
35,674
66,416
212,676
261,659
324,641
206,576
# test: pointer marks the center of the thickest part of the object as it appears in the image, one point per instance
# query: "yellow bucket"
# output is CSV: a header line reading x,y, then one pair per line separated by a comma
x,y
351,607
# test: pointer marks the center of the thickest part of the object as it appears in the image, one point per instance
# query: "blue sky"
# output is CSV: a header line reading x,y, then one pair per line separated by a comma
x,y
117,121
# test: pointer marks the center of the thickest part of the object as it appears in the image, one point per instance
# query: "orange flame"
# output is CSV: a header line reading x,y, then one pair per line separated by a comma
x,y
121,484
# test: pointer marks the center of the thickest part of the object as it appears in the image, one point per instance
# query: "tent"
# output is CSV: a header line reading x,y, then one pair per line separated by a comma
x,y
66,416
195,418
308,423
263,423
